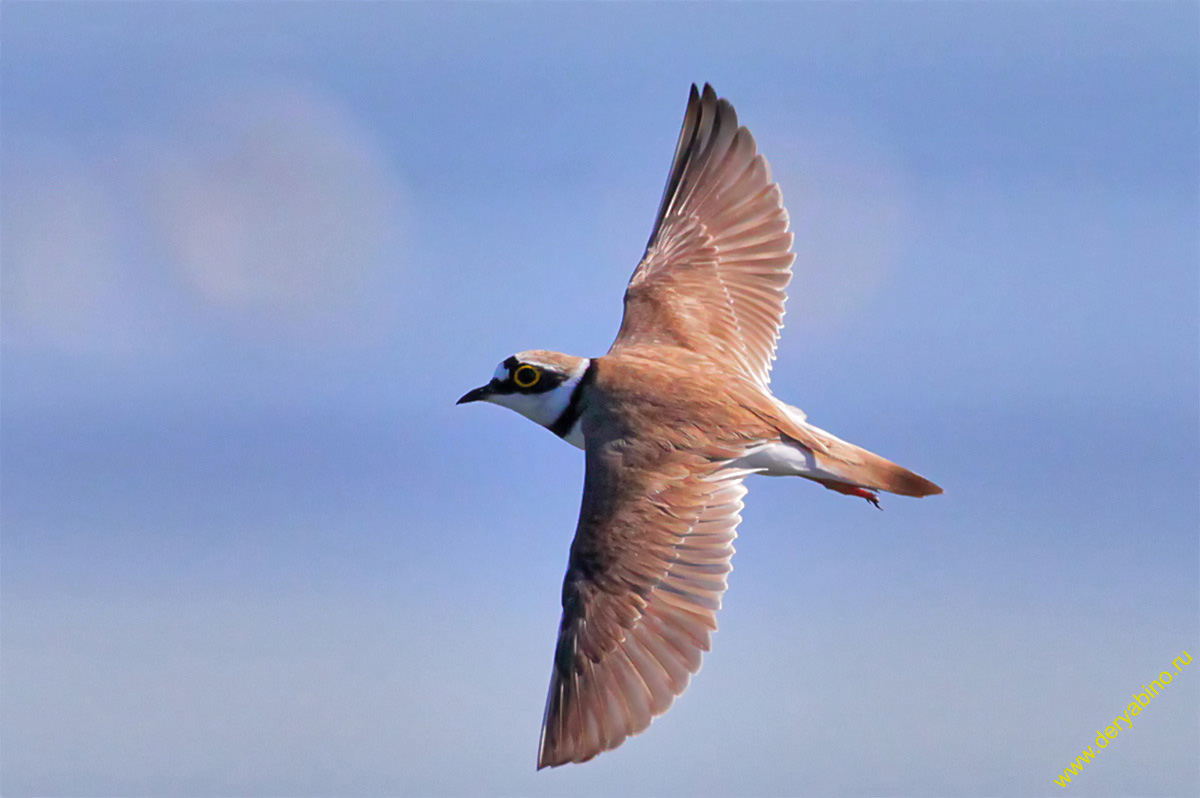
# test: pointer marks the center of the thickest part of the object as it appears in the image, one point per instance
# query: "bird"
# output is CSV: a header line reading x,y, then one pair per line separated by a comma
x,y
672,419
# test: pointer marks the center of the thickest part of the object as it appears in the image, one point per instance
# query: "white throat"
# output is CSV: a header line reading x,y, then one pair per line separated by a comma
x,y
548,407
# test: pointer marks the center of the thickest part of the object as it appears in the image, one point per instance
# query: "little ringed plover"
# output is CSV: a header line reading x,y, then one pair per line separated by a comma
x,y
671,420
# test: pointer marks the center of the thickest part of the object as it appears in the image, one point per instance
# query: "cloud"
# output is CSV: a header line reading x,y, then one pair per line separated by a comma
x,y
277,202
268,208
61,253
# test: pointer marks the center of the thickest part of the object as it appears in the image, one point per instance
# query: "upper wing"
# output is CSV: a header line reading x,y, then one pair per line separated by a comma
x,y
714,274
645,580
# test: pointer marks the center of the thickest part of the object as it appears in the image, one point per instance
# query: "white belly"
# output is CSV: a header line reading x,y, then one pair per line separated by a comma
x,y
783,460
786,459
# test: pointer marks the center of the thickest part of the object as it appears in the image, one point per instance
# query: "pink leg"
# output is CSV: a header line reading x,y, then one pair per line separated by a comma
x,y
853,490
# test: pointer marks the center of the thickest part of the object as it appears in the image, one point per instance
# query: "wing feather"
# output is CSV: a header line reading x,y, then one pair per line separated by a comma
x,y
647,571
715,270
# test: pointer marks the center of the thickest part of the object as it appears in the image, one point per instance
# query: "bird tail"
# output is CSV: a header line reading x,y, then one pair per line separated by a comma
x,y
838,464
864,469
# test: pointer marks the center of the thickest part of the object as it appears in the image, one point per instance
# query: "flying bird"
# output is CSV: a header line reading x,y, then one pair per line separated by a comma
x,y
672,420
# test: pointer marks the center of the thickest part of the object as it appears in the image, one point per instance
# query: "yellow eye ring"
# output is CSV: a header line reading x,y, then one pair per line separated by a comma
x,y
526,376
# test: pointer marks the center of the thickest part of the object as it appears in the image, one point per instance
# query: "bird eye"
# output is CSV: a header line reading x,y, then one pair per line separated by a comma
x,y
526,376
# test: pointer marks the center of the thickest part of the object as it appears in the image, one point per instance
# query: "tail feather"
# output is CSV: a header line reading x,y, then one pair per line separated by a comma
x,y
868,470
809,451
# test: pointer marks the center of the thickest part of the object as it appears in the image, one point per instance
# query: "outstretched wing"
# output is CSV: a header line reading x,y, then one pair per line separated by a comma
x,y
714,274
647,571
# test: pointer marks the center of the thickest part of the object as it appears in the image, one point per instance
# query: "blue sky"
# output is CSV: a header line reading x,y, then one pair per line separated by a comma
x,y
253,253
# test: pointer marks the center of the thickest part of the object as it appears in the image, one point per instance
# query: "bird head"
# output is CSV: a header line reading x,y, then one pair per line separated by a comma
x,y
537,384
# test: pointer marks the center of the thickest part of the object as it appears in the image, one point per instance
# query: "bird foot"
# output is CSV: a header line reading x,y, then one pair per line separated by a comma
x,y
854,490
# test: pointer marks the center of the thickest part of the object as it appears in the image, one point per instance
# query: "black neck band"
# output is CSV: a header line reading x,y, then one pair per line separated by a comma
x,y
564,423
